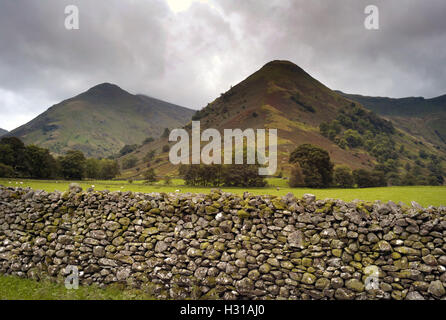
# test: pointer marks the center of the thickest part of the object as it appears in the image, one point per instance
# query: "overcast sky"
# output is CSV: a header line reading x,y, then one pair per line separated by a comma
x,y
189,51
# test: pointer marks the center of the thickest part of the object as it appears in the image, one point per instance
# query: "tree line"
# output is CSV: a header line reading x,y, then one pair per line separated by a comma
x,y
227,175
313,168
20,161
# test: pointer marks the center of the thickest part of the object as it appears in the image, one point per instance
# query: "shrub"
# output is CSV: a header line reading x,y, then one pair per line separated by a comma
x,y
343,177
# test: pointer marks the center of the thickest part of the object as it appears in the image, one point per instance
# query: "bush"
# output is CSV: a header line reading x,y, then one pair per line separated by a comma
x,y
343,177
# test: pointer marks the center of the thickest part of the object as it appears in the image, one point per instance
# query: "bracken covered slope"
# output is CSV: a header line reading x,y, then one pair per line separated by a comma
x,y
283,96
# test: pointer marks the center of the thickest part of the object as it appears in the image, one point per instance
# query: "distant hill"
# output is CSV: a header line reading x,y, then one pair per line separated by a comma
x,y
101,121
3,131
419,116
281,95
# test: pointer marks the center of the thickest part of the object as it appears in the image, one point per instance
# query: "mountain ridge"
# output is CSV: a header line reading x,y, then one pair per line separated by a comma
x,y
419,116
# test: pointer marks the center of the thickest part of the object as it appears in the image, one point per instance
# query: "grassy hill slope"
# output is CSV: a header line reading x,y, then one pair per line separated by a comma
x,y
101,121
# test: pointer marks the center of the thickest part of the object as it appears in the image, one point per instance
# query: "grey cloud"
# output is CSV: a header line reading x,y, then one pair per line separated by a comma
x,y
190,57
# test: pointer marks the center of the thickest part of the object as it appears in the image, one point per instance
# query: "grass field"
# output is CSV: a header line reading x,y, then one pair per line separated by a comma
x,y
14,288
424,195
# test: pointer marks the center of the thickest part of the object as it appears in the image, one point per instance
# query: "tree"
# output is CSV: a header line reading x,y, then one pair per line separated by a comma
x,y
130,162
41,163
353,138
363,178
6,171
149,156
242,175
235,175
316,165
150,175
297,177
167,180
148,140
17,151
323,128
73,165
128,148
108,169
343,177
92,168
366,179
165,133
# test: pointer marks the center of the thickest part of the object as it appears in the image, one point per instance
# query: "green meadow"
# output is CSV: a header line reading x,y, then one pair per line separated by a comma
x,y
424,195
15,288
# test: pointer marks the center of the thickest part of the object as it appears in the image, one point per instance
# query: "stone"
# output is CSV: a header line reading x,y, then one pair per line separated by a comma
x,y
322,283
99,251
309,198
384,246
161,246
265,268
414,295
74,187
308,278
296,239
436,288
244,286
344,294
123,274
192,252
430,260
355,285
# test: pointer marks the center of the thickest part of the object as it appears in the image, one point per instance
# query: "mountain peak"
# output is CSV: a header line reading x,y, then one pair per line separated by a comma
x,y
283,65
105,92
106,88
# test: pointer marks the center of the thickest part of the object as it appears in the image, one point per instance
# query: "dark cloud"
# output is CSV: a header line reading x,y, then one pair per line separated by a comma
x,y
190,56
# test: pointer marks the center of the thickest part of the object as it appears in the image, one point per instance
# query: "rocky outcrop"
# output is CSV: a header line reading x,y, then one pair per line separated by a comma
x,y
225,246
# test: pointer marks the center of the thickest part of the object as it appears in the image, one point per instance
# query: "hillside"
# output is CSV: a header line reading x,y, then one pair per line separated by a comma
x,y
101,121
3,132
419,116
281,95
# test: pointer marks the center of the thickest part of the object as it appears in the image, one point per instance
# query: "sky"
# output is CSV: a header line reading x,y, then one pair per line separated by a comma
x,y
188,52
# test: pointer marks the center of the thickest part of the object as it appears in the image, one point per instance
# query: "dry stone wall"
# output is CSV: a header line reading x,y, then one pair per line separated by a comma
x,y
225,246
